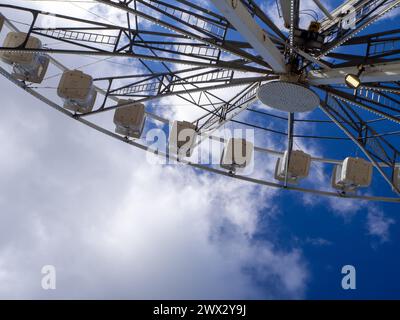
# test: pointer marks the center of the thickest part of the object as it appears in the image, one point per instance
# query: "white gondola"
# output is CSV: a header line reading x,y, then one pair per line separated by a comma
x,y
27,66
298,166
352,174
182,138
77,90
130,119
237,154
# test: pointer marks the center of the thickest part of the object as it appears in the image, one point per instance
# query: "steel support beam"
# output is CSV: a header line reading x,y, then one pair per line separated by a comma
x,y
383,72
239,16
289,146
323,9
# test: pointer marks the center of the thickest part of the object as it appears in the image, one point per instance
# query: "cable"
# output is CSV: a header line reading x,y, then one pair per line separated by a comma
x,y
308,14
311,10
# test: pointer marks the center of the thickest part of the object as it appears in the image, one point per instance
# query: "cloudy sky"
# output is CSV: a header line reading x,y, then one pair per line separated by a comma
x,y
116,226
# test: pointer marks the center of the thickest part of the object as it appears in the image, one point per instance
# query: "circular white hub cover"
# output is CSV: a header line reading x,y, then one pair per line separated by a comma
x,y
287,96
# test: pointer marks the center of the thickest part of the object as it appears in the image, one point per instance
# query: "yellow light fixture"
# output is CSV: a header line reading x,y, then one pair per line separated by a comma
x,y
352,81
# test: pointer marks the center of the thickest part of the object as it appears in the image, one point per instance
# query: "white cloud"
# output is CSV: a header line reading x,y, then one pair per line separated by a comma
x,y
318,242
117,227
378,224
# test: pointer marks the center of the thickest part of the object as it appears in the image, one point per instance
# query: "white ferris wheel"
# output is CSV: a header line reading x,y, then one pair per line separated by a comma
x,y
296,75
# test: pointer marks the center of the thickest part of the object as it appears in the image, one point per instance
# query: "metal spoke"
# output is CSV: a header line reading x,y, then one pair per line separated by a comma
x,y
289,146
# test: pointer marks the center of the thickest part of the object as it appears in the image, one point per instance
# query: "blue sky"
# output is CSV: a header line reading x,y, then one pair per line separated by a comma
x,y
116,226
348,240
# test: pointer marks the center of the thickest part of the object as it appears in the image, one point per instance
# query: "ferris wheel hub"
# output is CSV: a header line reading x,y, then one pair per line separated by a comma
x,y
287,96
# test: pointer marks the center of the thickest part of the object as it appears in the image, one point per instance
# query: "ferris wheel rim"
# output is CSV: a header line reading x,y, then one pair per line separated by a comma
x,y
268,183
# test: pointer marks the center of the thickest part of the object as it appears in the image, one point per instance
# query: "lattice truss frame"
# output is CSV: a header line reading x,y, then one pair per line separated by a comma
x,y
196,53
